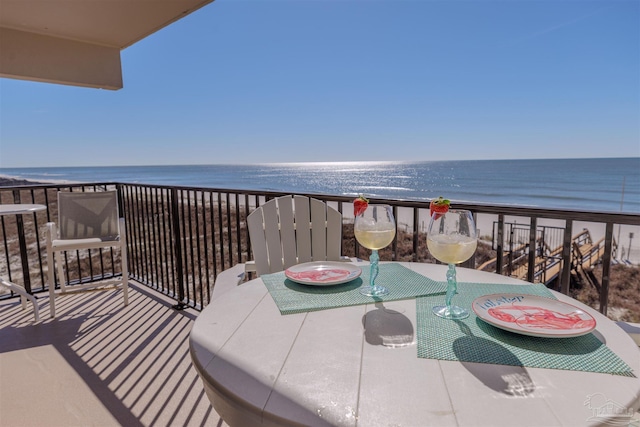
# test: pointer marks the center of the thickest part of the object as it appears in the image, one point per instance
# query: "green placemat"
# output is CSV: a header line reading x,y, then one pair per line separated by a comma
x,y
473,340
403,283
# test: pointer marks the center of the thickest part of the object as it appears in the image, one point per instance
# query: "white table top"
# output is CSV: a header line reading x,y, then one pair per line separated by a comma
x,y
20,208
324,368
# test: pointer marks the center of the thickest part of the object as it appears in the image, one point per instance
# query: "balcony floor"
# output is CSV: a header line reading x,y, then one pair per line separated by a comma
x,y
100,363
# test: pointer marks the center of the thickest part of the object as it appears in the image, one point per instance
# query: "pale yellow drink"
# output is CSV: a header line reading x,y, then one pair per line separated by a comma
x,y
375,239
452,249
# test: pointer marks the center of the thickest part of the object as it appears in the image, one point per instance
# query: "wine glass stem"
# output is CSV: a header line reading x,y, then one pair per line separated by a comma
x,y
373,260
452,284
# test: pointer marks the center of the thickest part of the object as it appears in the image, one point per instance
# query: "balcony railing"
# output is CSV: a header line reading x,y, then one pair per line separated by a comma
x,y
181,238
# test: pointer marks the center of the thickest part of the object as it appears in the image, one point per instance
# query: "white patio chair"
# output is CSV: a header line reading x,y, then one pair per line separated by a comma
x,y
86,221
290,230
285,231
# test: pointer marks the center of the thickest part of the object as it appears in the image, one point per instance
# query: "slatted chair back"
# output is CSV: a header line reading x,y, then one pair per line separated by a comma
x,y
290,230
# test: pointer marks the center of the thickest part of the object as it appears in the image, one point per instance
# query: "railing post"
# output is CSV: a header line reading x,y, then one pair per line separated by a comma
x,y
26,277
416,234
606,266
177,247
532,249
511,232
565,278
246,215
238,236
500,247
394,244
119,191
541,250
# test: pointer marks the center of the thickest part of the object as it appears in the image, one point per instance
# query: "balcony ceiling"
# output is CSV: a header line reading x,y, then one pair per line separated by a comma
x,y
78,42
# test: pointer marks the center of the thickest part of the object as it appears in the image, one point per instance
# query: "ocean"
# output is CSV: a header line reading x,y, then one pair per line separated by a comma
x,y
611,184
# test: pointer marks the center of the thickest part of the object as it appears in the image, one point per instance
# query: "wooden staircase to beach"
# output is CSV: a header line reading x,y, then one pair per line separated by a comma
x,y
585,255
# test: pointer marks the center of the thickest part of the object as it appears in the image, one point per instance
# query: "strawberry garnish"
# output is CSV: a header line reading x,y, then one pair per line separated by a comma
x,y
439,206
360,205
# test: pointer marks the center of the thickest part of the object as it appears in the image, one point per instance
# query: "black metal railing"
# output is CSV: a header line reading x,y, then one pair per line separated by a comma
x,y
181,238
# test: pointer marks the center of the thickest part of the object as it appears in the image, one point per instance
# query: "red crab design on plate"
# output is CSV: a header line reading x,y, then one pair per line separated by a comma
x,y
320,276
541,318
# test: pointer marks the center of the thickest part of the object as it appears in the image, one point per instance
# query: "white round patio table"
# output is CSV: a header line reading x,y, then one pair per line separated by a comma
x,y
261,368
21,209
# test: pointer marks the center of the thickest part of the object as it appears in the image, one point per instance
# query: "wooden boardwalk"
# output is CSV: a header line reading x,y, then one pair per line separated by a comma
x,y
586,254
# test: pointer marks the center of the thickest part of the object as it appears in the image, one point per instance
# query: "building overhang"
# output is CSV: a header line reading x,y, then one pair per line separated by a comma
x,y
78,42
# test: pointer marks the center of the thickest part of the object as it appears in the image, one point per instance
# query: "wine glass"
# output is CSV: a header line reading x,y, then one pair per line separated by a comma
x,y
375,228
452,238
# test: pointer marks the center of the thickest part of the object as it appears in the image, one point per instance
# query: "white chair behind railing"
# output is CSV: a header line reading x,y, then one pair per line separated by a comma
x,y
86,221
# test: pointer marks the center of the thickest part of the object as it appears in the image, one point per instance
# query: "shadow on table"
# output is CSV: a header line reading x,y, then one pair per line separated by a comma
x,y
386,327
510,377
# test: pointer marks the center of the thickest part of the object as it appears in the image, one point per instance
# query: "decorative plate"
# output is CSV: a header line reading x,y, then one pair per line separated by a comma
x,y
533,315
323,273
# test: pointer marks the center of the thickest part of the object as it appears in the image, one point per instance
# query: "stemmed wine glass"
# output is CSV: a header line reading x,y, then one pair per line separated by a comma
x,y
452,238
375,229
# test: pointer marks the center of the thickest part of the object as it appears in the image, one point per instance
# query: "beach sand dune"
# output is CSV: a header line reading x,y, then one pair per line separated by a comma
x,y
6,181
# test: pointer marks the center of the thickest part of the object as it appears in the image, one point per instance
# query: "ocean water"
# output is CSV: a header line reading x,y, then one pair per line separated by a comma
x,y
584,184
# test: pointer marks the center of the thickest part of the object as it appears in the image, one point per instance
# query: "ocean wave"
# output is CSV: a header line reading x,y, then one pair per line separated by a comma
x,y
378,187
43,174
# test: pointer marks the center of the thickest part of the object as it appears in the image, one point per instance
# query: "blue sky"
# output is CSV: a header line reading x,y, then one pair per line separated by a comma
x,y
243,81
